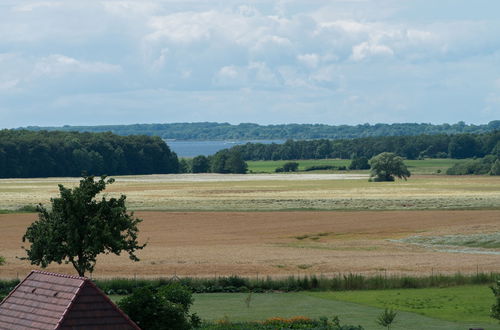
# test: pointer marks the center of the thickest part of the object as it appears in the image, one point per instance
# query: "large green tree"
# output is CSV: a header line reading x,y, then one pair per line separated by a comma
x,y
386,166
78,227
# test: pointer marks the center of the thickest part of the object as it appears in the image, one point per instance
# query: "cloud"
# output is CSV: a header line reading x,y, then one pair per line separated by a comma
x,y
57,65
405,60
368,49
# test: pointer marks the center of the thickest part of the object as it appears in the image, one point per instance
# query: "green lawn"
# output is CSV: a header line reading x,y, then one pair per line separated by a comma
x,y
459,304
452,308
232,305
426,166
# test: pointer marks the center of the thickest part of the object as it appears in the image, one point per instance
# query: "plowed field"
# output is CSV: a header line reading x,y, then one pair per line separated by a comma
x,y
281,243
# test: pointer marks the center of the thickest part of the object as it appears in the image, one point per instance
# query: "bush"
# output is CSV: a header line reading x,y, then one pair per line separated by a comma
x,y
359,163
163,308
288,167
478,166
320,168
495,309
292,283
297,322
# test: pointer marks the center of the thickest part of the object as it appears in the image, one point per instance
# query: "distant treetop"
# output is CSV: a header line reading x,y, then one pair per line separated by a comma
x,y
249,131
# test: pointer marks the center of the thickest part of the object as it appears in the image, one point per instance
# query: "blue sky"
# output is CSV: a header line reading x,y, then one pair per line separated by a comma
x,y
309,61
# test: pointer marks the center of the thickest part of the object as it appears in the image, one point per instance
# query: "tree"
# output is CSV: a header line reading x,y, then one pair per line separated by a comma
x,y
386,318
79,227
163,308
495,168
495,309
386,166
228,161
291,167
359,163
200,164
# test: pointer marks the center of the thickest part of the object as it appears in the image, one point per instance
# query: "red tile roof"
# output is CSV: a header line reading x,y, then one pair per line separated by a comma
x,y
53,301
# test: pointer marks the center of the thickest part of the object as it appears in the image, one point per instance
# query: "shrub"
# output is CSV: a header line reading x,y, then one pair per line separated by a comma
x,y
291,167
359,163
386,318
320,168
163,308
495,309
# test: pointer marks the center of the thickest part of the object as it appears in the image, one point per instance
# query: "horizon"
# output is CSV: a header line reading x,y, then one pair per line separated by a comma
x,y
248,123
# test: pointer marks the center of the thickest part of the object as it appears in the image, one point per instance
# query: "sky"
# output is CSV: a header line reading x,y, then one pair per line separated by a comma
x,y
267,62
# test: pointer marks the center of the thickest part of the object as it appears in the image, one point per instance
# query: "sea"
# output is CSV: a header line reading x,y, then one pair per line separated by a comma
x,y
187,149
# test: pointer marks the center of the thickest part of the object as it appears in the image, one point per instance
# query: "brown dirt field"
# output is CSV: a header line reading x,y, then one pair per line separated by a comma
x,y
266,243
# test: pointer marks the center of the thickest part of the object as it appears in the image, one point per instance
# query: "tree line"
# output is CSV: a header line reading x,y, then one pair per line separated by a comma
x,y
225,161
410,147
26,153
249,131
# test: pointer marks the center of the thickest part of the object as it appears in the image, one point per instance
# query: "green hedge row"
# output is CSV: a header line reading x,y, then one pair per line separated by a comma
x,y
299,283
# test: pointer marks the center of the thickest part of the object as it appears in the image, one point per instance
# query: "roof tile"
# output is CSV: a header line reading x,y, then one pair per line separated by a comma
x,y
53,301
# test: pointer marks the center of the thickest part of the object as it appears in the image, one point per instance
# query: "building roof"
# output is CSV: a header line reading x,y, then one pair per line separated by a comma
x,y
53,301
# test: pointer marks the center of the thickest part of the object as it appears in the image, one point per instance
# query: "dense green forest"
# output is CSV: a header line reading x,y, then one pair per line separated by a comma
x,y
411,147
247,131
43,154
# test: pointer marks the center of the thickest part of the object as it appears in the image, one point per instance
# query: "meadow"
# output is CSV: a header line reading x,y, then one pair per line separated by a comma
x,y
273,192
452,308
424,166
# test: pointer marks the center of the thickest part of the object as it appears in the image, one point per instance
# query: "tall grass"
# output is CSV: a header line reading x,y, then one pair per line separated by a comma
x,y
345,282
300,283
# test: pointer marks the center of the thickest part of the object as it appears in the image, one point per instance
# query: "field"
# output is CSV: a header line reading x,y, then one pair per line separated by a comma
x,y
284,243
443,309
326,224
274,192
427,166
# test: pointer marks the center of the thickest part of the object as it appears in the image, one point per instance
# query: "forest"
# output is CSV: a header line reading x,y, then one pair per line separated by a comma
x,y
411,147
249,131
44,154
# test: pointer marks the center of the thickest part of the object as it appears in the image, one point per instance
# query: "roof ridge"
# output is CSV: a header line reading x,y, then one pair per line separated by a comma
x,y
83,278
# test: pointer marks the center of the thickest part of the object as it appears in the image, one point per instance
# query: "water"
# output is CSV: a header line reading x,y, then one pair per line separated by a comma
x,y
206,148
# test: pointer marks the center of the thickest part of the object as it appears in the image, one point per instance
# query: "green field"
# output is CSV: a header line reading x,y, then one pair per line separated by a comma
x,y
457,304
446,308
426,166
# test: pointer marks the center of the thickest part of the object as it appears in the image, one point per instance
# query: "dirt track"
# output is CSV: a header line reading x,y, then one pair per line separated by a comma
x,y
280,243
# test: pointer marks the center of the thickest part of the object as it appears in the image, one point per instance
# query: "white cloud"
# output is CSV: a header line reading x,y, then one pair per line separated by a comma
x,y
37,5
308,49
57,65
368,49
310,60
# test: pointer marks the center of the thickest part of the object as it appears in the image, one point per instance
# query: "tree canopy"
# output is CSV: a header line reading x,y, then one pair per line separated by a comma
x,y
71,153
78,228
249,131
410,147
385,166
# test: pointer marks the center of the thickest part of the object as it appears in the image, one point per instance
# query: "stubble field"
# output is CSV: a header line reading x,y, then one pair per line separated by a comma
x,y
274,192
284,243
272,224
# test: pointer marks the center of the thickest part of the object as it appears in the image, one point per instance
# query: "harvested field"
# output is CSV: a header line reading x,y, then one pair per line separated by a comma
x,y
281,243
274,192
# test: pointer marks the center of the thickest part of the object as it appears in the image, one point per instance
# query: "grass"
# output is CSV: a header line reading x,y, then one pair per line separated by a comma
x,y
315,305
269,166
253,193
425,166
470,303
435,309
486,241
